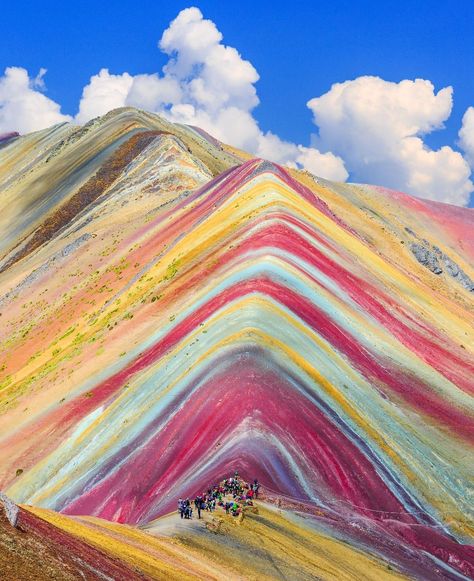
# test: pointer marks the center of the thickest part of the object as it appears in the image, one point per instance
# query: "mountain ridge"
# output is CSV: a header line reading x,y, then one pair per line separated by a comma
x,y
200,313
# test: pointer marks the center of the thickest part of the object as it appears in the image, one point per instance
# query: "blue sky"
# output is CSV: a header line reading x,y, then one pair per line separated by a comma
x,y
299,49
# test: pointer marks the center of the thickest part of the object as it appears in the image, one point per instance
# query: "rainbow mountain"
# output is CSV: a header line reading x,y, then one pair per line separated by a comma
x,y
173,309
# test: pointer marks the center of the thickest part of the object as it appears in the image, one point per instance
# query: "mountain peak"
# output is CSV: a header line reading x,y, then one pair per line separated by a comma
x,y
174,311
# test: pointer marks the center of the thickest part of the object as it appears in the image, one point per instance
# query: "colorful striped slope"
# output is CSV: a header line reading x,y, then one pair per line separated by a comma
x,y
172,311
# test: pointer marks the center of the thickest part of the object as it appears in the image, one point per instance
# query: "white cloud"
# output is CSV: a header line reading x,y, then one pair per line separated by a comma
x,y
466,135
207,84
103,93
152,92
211,74
23,107
324,163
377,127
189,38
369,127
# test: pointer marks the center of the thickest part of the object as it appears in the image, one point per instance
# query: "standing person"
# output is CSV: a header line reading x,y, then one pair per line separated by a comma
x,y
198,504
188,511
256,486
181,507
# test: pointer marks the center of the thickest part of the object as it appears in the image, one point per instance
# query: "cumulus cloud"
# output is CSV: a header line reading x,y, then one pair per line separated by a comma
x,y
208,84
466,135
369,128
23,107
313,160
103,93
211,74
377,127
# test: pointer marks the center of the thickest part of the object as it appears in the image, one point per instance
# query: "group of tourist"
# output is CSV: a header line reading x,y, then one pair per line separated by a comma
x,y
232,494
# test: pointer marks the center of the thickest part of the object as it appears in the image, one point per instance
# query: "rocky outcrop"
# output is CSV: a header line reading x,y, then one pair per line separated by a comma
x,y
435,260
10,509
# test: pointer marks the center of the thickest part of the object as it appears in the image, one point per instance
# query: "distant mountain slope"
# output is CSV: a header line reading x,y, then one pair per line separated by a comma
x,y
172,311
